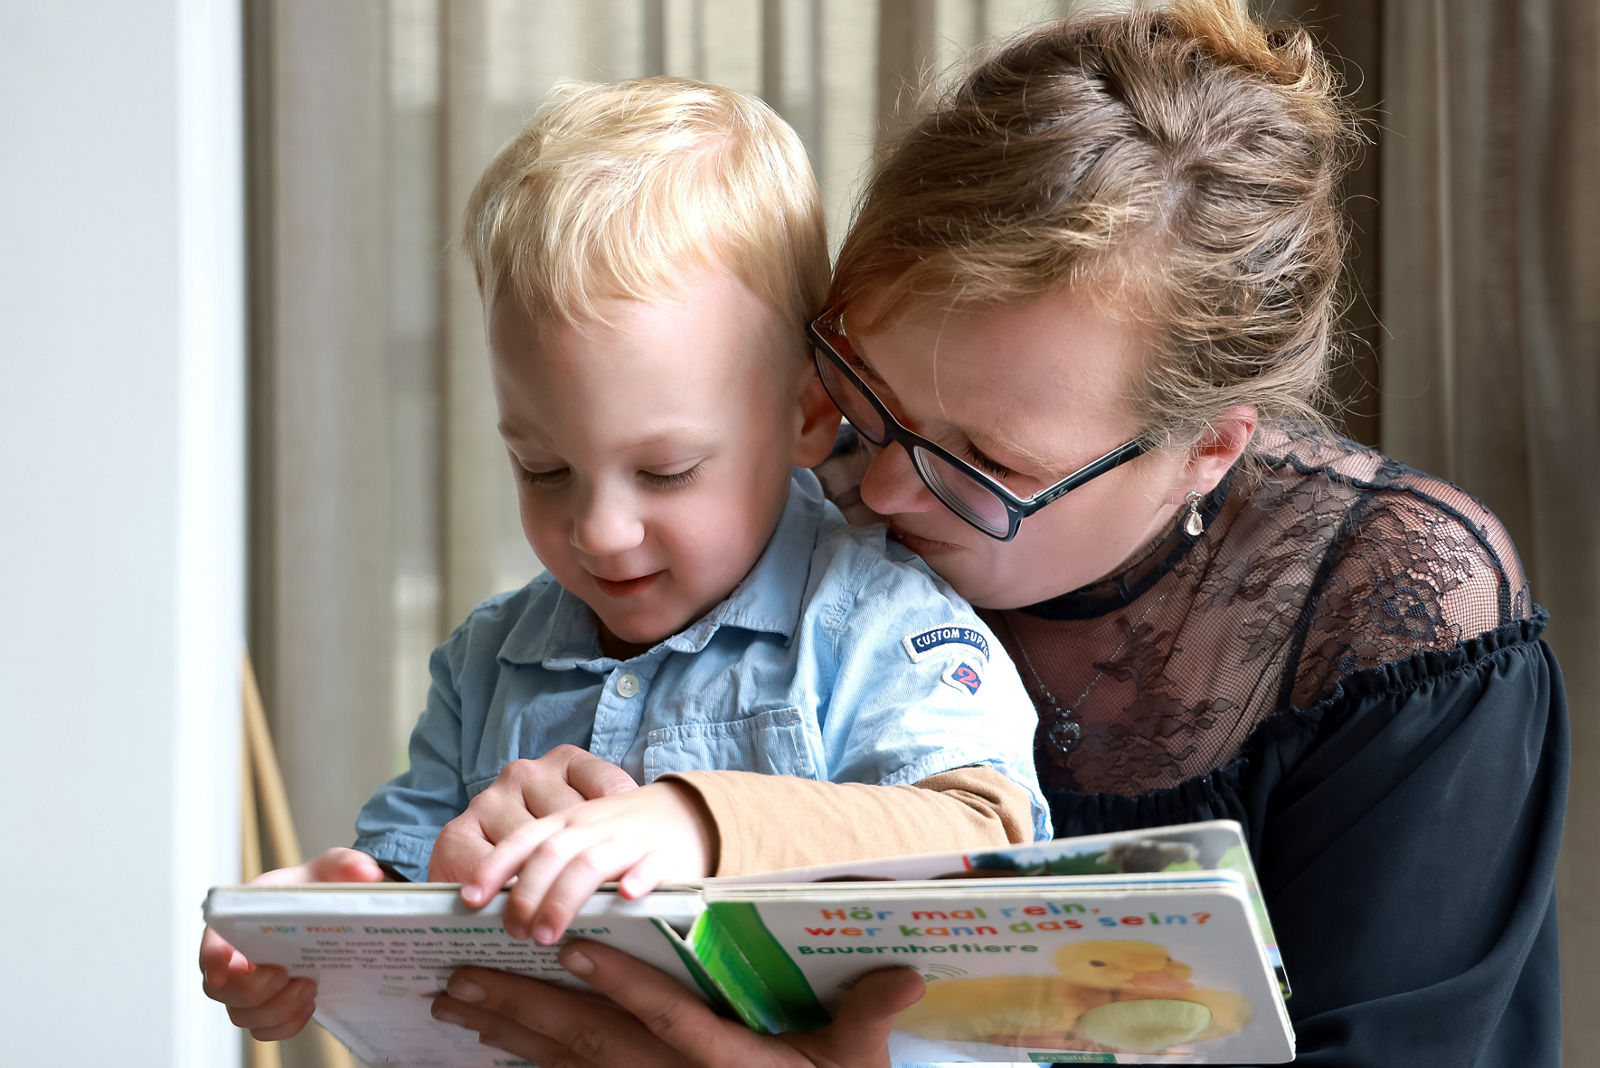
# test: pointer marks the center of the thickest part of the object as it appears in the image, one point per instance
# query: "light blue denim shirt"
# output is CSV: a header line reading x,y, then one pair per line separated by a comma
x,y
839,656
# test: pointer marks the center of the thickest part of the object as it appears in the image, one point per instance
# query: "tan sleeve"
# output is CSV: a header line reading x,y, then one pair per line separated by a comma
x,y
765,822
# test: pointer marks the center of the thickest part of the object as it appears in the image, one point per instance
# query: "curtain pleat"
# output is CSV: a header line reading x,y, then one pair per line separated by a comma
x,y
323,503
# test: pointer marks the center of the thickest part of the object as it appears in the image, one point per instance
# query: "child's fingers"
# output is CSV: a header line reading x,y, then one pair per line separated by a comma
x,y
563,777
570,850
344,865
576,881
530,789
218,958
649,872
226,975
247,987
299,873
459,849
281,1016
590,777
504,860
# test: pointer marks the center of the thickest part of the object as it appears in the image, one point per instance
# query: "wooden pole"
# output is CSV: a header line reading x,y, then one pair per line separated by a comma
x,y
268,782
269,779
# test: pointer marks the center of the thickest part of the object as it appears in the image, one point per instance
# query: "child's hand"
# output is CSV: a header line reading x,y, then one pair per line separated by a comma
x,y
265,1000
641,838
523,791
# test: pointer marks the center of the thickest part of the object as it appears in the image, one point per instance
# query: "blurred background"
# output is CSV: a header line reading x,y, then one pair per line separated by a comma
x,y
245,402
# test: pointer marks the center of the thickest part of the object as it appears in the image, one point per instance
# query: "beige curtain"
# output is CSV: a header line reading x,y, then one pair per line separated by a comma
x,y
1490,263
381,505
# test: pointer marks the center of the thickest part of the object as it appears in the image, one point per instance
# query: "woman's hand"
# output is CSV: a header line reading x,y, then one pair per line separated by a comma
x,y
525,790
652,1019
265,1000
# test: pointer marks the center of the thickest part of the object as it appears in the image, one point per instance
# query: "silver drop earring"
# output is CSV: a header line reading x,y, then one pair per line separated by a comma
x,y
1194,526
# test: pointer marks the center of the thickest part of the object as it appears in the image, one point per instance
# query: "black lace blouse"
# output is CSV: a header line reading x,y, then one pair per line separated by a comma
x,y
1347,662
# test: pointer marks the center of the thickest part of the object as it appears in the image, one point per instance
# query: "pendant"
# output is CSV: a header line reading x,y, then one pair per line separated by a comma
x,y
1194,526
1065,734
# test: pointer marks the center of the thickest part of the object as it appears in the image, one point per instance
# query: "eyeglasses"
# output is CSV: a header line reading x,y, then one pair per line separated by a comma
x,y
972,495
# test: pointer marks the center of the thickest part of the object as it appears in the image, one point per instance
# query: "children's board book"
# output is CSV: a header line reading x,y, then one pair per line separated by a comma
x,y
1142,947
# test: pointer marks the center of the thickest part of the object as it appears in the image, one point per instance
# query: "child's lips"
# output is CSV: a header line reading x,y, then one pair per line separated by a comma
x,y
627,587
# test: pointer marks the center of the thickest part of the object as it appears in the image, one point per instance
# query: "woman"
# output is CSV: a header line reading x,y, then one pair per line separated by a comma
x,y
1082,319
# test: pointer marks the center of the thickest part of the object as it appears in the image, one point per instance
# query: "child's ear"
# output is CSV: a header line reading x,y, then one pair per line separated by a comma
x,y
819,424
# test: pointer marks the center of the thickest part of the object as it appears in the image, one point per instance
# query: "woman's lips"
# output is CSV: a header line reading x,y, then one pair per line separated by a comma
x,y
627,587
920,545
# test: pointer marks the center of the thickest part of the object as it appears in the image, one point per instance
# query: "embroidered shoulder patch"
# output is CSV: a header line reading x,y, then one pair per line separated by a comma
x,y
963,676
925,643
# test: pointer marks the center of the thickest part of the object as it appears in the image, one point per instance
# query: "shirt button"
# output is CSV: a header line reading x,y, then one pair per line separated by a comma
x,y
627,684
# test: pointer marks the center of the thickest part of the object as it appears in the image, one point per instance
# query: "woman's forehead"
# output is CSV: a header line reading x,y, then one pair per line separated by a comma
x,y
1046,377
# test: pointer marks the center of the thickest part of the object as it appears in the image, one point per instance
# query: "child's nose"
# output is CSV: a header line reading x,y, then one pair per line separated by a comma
x,y
891,485
605,524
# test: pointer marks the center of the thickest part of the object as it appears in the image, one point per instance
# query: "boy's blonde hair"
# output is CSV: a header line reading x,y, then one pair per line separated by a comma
x,y
616,191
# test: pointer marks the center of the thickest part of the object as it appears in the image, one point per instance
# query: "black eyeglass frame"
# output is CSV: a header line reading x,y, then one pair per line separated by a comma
x,y
1017,508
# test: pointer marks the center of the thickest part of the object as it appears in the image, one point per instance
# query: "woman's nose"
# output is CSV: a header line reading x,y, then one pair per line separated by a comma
x,y
891,486
605,524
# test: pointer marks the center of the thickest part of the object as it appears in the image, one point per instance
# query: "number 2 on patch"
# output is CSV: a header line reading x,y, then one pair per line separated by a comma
x,y
964,677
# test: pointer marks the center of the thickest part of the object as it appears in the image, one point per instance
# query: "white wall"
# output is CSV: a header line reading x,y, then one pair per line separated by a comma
x,y
121,471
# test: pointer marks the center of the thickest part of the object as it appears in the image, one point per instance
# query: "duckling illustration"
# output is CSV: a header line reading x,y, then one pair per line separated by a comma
x,y
998,1008
1114,994
1153,1004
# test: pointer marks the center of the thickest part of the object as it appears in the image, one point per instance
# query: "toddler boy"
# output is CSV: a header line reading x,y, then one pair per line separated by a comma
x,y
648,253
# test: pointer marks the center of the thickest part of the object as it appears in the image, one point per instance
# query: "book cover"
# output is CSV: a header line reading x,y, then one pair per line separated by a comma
x,y
1166,967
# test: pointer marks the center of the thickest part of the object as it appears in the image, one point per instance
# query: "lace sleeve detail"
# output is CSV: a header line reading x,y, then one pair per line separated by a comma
x,y
1420,566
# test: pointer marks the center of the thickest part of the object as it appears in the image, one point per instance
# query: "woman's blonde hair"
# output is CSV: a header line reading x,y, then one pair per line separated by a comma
x,y
1182,164
617,190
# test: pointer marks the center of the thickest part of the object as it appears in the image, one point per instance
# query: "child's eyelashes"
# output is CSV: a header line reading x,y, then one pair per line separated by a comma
x,y
674,480
554,477
551,477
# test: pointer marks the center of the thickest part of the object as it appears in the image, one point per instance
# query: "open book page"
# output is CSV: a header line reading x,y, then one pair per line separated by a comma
x,y
380,952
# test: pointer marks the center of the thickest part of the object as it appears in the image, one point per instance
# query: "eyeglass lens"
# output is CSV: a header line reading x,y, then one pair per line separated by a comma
x,y
851,401
971,500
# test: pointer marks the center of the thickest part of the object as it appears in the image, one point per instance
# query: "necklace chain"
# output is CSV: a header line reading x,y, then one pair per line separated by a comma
x,y
1065,731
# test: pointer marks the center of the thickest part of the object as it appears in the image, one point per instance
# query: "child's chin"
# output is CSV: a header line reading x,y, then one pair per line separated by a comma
x,y
640,637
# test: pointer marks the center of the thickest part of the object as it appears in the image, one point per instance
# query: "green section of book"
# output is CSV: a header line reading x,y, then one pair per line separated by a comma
x,y
772,973
742,984
694,961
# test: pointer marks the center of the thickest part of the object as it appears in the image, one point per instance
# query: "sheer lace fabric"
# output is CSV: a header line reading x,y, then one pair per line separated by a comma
x,y
1330,560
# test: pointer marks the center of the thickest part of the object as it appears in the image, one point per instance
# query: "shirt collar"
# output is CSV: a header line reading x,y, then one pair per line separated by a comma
x,y
558,630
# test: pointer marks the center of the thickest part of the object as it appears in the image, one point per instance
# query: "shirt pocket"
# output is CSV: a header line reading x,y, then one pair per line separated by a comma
x,y
776,742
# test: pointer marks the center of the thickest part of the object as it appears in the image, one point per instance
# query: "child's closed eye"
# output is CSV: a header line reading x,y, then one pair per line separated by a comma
x,y
672,479
541,477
